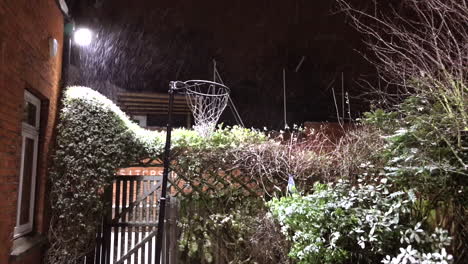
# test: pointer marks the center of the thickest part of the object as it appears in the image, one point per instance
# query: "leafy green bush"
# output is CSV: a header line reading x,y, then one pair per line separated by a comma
x,y
94,139
368,223
426,149
424,146
224,137
218,229
427,132
218,215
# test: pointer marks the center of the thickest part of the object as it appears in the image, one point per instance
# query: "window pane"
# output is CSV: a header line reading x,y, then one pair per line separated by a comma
x,y
28,169
29,113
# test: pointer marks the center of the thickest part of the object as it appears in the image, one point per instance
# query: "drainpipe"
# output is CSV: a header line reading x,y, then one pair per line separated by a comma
x,y
68,28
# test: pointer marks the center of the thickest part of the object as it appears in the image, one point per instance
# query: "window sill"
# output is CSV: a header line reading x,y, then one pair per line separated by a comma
x,y
23,245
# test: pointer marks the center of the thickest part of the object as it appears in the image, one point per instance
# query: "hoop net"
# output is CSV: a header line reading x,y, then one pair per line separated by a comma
x,y
207,101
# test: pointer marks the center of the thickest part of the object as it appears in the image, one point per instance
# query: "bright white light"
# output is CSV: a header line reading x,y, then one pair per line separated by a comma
x,y
83,37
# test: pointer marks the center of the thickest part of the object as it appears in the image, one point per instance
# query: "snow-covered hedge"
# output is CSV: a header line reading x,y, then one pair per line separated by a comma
x,y
94,138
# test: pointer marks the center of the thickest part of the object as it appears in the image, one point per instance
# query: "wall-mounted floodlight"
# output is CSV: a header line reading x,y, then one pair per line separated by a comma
x,y
63,7
83,37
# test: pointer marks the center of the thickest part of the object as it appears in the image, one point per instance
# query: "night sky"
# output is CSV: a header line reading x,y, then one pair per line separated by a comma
x,y
142,45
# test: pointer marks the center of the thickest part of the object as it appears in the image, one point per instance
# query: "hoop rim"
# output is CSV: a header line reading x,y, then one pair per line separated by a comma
x,y
191,83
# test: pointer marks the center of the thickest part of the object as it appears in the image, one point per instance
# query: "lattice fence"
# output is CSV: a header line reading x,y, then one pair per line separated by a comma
x,y
210,184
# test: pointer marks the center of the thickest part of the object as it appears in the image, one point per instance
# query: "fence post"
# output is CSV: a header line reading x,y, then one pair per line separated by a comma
x,y
106,232
172,231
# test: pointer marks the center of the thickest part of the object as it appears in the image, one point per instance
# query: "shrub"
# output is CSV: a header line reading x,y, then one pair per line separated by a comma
x,y
368,223
218,229
267,243
94,139
309,158
218,209
425,150
419,50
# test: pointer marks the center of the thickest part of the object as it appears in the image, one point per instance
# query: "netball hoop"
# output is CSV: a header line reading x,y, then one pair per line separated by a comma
x,y
207,101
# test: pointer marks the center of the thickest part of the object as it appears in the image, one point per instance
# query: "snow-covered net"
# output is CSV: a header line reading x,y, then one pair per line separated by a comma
x,y
207,100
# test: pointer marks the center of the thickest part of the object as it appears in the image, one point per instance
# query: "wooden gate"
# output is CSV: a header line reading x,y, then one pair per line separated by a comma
x,y
130,228
128,232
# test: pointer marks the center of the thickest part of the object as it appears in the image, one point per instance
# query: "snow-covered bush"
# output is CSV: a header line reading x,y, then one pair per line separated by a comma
x,y
94,138
425,149
419,51
367,223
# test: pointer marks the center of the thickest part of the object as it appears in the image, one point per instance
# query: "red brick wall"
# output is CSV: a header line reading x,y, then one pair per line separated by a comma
x,y
25,27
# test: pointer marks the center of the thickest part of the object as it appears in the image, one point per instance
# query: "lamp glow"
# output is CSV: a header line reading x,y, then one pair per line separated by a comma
x,y
83,37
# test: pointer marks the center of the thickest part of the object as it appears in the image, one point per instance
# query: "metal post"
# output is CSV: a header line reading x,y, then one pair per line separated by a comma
x,y
162,199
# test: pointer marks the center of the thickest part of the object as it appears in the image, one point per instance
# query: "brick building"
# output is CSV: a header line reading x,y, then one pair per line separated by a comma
x,y
31,37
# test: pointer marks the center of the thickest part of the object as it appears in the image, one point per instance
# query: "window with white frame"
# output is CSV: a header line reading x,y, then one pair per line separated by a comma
x,y
27,183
